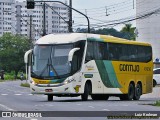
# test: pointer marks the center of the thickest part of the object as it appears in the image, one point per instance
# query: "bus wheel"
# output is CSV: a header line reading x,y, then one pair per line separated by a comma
x,y
138,92
154,83
130,94
85,95
99,97
50,97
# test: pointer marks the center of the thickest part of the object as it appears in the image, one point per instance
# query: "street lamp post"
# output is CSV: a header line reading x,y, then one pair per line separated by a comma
x,y
69,8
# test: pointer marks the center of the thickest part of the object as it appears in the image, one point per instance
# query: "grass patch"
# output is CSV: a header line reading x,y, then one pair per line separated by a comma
x,y
157,103
25,85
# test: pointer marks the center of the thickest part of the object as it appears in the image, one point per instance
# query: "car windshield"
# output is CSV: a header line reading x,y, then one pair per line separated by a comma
x,y
51,60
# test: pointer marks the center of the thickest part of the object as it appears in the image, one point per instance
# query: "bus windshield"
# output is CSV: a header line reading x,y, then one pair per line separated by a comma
x,y
51,61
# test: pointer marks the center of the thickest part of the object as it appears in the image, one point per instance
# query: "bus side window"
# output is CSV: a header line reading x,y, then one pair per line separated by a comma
x,y
113,51
99,50
90,51
148,53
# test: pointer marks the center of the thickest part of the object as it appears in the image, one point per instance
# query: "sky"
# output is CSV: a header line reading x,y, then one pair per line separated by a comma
x,y
102,12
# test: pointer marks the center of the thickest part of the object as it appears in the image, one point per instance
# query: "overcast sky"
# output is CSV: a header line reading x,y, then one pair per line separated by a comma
x,y
98,9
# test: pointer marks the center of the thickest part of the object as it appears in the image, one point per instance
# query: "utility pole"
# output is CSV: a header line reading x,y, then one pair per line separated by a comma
x,y
107,11
70,16
30,33
44,19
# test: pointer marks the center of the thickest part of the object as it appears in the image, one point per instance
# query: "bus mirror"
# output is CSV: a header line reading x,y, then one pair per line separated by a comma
x,y
71,53
26,56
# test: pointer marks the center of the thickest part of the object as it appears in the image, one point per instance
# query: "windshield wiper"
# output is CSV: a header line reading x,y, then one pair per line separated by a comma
x,y
48,66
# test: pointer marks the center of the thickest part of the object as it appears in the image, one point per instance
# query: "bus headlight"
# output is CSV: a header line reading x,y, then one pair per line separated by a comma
x,y
69,80
32,82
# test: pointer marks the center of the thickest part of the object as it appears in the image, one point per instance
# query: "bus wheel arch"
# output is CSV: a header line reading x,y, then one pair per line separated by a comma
x,y
138,91
87,90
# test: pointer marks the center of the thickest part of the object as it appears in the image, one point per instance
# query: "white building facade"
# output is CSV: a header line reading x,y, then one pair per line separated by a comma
x,y
17,19
149,27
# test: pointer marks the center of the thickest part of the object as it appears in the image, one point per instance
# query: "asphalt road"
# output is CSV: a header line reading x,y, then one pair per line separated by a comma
x,y
13,97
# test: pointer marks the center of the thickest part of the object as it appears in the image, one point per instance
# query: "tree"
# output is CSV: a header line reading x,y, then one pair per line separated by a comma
x,y
12,50
106,31
129,32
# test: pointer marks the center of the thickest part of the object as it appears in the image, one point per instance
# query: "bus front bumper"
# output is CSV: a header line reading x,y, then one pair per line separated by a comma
x,y
63,89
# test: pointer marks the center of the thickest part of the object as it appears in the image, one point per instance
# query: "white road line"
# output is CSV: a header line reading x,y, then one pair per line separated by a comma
x,y
106,110
5,107
30,94
17,94
79,104
4,94
91,106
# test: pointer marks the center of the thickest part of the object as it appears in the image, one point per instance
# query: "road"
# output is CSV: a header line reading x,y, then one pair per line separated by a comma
x,y
13,97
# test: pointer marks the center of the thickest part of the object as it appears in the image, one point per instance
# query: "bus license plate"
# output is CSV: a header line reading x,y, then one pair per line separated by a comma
x,y
48,90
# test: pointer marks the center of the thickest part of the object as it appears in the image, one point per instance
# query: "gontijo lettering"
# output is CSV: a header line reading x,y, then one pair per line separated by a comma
x,y
129,67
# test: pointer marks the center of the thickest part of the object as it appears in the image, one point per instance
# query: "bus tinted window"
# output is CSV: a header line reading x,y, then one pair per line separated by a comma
x,y
118,52
90,51
96,51
127,52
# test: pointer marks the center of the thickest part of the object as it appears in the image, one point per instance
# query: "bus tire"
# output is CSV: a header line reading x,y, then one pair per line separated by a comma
x,y
99,97
130,94
50,97
138,92
154,83
85,95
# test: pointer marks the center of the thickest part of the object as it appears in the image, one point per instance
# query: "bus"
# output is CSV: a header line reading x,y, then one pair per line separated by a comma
x,y
82,64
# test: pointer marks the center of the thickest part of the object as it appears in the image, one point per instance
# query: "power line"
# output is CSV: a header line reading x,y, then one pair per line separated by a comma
x,y
125,20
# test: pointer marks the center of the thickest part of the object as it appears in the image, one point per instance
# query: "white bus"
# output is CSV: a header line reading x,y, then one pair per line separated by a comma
x,y
77,64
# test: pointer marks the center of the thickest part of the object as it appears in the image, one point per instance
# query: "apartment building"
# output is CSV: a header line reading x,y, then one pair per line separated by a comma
x,y
17,19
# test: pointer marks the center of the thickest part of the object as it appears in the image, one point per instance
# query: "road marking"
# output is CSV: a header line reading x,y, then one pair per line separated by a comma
x,y
17,94
39,105
4,94
91,106
79,104
106,110
5,107
30,94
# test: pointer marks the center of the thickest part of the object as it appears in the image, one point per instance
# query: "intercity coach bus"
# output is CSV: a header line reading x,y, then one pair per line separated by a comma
x,y
79,64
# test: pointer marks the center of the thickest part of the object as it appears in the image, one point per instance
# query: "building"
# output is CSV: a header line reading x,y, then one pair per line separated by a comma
x,y
17,19
148,28
6,18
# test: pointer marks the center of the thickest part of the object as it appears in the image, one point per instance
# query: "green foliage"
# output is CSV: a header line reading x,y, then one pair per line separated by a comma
x,y
9,77
12,50
127,32
25,85
157,103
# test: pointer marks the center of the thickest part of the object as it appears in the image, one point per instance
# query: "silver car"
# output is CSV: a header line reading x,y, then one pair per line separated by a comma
x,y
156,76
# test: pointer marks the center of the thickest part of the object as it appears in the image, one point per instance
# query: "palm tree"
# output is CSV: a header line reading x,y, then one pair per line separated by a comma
x,y
129,31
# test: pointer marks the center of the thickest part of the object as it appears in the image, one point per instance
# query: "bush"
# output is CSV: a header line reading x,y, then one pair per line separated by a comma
x,y
25,85
157,103
11,76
